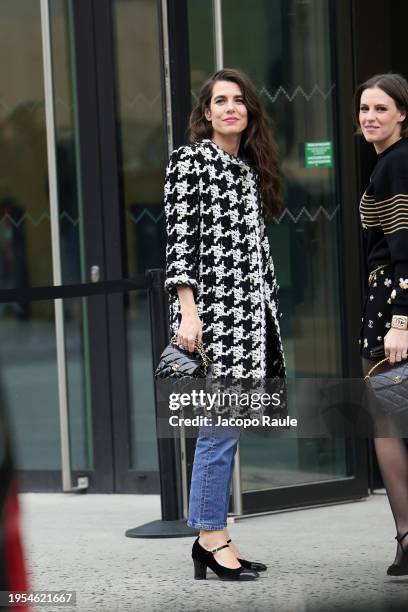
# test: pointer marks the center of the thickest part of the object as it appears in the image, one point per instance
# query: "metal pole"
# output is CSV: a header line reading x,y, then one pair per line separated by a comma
x,y
167,77
219,64
170,144
236,486
218,38
55,242
183,472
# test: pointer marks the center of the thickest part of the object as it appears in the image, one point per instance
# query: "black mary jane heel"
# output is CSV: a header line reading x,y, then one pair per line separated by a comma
x,y
203,559
254,565
400,568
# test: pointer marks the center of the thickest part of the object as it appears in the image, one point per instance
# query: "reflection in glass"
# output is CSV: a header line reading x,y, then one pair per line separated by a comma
x,y
143,149
141,131
299,96
28,370
202,56
72,264
29,379
267,463
28,335
143,446
25,237
79,396
25,242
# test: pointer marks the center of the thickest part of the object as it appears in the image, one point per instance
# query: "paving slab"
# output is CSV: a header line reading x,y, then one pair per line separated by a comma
x,y
320,559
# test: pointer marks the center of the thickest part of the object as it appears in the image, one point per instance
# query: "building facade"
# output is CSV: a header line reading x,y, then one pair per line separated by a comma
x,y
94,95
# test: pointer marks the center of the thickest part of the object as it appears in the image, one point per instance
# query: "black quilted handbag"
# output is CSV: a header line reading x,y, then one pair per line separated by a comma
x,y
390,388
176,362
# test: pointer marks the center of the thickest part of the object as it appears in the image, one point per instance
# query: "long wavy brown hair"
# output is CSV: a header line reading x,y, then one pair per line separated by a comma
x,y
257,143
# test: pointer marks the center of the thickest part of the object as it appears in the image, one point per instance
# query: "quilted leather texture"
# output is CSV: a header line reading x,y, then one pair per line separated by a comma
x,y
391,389
177,363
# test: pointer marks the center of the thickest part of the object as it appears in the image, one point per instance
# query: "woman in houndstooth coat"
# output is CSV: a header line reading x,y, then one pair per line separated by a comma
x,y
217,245
221,281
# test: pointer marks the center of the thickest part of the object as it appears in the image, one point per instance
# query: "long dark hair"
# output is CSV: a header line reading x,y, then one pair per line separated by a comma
x,y
257,141
395,85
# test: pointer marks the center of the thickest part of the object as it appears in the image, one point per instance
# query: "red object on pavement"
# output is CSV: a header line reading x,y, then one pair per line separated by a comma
x,y
16,574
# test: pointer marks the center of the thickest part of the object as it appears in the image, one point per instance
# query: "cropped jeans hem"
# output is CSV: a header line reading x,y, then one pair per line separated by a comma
x,y
206,526
211,478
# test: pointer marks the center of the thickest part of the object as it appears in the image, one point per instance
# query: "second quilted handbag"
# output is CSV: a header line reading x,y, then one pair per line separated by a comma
x,y
390,388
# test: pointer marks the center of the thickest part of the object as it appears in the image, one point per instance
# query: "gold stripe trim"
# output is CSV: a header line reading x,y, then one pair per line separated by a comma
x,y
401,226
399,197
392,207
388,222
390,210
372,224
394,219
370,209
369,212
393,214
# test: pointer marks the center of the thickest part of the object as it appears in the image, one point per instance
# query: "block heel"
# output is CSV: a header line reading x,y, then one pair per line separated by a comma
x,y
200,570
204,558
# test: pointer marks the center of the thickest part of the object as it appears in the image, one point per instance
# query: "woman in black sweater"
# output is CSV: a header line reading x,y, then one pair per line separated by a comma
x,y
381,111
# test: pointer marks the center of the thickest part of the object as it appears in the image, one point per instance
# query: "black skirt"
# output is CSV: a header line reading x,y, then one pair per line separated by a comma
x,y
377,313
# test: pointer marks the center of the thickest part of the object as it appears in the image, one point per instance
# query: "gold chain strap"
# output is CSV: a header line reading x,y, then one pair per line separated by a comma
x,y
199,348
375,366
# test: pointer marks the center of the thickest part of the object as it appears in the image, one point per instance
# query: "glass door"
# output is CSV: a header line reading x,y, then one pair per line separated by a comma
x,y
134,76
56,358
87,360
293,67
34,255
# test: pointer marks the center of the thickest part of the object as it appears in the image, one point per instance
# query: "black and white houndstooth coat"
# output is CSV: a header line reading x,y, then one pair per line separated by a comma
x,y
217,245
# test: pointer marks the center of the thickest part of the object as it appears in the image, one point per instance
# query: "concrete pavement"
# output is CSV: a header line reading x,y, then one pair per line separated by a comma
x,y
320,559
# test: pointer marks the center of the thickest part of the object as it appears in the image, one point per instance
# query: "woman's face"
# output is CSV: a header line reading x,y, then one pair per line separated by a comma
x,y
380,120
227,111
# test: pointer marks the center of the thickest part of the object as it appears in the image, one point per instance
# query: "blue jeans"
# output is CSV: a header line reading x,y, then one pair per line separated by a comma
x,y
211,478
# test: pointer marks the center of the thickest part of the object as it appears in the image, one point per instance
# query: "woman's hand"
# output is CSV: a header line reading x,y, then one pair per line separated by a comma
x,y
396,344
191,329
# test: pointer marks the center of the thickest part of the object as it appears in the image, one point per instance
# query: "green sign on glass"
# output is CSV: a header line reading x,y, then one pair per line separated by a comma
x,y
318,154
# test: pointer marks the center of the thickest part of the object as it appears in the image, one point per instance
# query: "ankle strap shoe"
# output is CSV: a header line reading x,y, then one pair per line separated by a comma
x,y
203,559
400,568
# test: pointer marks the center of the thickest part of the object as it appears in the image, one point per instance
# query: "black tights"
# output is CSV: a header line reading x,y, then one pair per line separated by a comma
x,y
392,458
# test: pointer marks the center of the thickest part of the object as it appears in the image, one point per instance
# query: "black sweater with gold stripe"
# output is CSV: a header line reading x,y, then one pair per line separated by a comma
x,y
384,217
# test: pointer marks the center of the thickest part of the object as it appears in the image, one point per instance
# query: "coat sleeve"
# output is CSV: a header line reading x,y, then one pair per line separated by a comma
x,y
181,207
392,208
